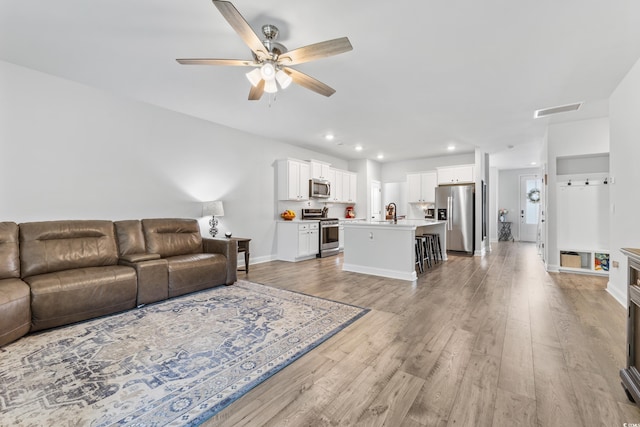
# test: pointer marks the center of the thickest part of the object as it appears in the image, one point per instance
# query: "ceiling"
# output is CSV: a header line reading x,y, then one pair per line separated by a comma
x,y
421,76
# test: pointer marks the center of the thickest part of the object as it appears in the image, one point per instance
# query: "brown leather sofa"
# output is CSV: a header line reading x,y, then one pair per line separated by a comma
x,y
15,307
58,272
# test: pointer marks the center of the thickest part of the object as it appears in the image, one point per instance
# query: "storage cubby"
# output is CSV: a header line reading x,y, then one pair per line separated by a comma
x,y
580,261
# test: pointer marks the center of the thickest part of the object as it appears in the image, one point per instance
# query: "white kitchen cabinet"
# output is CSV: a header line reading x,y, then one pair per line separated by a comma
x,y
456,174
293,180
298,240
344,185
335,178
422,187
349,187
320,170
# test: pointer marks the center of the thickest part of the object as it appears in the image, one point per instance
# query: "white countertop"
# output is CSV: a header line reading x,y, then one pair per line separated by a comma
x,y
402,223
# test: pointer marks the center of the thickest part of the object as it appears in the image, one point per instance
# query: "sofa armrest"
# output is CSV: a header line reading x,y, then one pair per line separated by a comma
x,y
133,258
228,248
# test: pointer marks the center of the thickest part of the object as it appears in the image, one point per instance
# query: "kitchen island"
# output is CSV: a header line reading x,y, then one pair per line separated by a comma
x,y
385,248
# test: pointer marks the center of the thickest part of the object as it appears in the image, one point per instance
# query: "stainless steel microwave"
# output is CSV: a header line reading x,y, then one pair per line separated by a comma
x,y
319,188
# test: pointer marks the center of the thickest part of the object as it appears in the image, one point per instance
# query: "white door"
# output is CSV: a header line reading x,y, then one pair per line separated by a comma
x,y
376,201
530,196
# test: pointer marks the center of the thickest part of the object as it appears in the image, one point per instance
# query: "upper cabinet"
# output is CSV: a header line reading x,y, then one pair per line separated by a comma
x,y
343,186
293,180
320,170
455,174
349,187
422,187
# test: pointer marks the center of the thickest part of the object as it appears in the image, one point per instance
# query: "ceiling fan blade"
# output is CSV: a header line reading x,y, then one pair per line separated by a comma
x,y
235,19
316,51
210,61
256,91
309,82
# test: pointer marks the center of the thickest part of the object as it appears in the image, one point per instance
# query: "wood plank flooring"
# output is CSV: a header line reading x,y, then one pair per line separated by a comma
x,y
492,341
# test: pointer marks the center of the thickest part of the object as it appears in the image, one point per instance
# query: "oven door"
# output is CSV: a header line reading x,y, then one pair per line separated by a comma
x,y
329,241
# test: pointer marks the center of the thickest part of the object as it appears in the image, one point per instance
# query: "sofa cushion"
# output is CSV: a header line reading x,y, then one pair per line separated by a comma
x,y
130,237
15,310
190,273
70,296
170,237
50,246
9,252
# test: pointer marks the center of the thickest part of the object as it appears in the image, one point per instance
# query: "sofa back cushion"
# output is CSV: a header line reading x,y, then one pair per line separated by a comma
x,y
9,251
171,237
130,237
50,246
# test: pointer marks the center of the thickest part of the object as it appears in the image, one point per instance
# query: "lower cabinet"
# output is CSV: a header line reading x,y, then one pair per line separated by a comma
x,y
298,240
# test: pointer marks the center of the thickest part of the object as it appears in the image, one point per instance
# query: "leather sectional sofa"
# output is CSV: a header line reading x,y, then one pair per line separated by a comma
x,y
58,272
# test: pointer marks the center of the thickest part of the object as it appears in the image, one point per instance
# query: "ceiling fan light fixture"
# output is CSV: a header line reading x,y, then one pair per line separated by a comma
x,y
270,86
284,79
254,76
268,71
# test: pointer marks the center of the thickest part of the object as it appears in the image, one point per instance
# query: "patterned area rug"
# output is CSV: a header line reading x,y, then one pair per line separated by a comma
x,y
173,363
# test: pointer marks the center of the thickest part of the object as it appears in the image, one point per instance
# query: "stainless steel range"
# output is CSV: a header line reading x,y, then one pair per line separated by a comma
x,y
328,231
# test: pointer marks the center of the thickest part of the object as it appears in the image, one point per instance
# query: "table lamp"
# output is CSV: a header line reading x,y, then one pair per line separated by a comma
x,y
214,209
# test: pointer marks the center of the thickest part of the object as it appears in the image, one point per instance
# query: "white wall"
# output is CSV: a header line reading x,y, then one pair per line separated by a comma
x,y
582,137
494,188
68,151
624,111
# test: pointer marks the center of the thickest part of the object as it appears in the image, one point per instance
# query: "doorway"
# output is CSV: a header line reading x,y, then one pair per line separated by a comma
x,y
530,195
376,201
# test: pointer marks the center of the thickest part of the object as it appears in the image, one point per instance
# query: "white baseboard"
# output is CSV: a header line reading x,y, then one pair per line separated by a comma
x,y
615,293
392,274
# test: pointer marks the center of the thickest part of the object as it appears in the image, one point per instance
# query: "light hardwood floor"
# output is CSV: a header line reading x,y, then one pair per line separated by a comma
x,y
492,341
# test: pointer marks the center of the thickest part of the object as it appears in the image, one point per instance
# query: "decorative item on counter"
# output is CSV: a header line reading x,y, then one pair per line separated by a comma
x,y
390,211
288,215
350,213
227,234
502,213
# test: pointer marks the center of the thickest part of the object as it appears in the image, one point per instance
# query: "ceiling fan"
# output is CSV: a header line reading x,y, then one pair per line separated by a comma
x,y
271,60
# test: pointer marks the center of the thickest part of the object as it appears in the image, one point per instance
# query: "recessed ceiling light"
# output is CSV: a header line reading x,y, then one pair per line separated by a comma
x,y
329,137
533,163
380,156
451,147
358,147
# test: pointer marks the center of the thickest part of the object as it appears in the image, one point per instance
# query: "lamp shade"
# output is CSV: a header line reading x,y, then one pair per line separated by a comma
x,y
213,208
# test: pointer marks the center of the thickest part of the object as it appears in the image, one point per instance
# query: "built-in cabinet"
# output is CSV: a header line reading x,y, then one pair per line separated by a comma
x,y
583,223
349,187
293,180
294,175
320,170
298,240
343,186
422,187
456,174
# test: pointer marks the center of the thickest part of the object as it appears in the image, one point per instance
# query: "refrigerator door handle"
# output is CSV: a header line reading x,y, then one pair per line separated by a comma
x,y
449,213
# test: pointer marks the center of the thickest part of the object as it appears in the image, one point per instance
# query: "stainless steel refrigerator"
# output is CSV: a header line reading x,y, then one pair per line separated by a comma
x,y
455,204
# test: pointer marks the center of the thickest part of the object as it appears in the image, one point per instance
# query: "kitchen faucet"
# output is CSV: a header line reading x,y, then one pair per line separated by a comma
x,y
395,213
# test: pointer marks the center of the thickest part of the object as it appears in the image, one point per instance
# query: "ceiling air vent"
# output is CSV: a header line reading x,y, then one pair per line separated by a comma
x,y
556,110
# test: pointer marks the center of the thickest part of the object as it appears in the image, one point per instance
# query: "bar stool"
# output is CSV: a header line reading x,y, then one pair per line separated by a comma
x,y
434,245
426,251
419,253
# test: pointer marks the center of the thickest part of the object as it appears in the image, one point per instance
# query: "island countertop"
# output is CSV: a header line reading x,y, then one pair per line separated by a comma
x,y
409,224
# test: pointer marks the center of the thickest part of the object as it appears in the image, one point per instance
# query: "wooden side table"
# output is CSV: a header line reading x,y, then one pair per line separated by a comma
x,y
243,246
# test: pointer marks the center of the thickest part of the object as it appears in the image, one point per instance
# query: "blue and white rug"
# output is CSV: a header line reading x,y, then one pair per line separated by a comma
x,y
173,363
